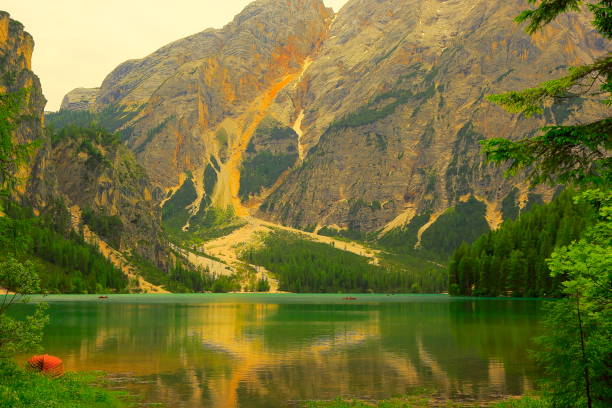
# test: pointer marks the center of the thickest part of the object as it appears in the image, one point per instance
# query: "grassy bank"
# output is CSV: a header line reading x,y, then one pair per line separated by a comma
x,y
425,402
24,389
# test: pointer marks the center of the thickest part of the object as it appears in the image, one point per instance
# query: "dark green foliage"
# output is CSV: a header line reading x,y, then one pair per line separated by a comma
x,y
282,132
463,223
223,284
576,346
110,118
548,10
511,260
65,263
560,352
373,111
25,389
357,204
86,135
262,171
114,116
349,234
89,140
215,163
210,223
62,119
174,213
562,154
108,227
305,266
404,238
181,279
510,207
602,10
210,180
262,285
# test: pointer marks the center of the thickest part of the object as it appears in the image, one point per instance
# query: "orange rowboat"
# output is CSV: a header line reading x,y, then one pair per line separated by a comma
x,y
46,364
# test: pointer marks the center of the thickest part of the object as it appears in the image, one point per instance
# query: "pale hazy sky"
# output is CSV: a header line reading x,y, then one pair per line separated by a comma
x,y
78,42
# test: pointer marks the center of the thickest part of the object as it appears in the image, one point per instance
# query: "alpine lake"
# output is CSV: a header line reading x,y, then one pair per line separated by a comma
x,y
279,350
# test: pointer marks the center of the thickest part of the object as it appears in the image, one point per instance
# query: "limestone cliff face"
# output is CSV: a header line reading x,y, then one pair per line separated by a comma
x,y
392,109
16,47
80,99
103,178
215,81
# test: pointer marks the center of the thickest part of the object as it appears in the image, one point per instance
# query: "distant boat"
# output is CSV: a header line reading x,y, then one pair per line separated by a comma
x,y
102,297
349,298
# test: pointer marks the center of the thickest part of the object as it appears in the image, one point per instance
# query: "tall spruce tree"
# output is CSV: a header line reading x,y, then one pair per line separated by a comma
x,y
576,349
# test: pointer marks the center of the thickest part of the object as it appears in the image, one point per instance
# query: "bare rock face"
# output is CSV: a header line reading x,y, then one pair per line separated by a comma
x,y
80,99
105,180
392,110
16,47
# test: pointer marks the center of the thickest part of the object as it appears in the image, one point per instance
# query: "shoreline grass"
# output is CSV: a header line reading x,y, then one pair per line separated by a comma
x,y
21,388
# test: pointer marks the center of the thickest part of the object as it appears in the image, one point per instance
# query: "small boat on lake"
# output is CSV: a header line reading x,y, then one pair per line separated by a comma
x,y
349,298
102,297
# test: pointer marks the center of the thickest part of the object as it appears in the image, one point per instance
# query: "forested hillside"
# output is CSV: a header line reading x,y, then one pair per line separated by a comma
x,y
512,260
64,261
304,266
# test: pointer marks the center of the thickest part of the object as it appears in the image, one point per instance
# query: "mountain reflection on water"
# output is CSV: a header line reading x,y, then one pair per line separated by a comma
x,y
221,351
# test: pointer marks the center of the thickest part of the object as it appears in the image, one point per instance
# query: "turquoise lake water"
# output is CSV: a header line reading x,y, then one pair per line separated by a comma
x,y
272,351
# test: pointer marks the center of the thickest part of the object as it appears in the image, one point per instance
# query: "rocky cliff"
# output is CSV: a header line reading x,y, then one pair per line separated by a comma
x,y
366,121
80,99
16,48
99,180
88,171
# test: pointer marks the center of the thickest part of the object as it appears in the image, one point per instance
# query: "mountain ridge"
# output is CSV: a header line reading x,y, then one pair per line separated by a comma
x,y
379,116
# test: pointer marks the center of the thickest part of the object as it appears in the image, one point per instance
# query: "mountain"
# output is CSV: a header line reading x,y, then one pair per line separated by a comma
x,y
82,173
363,123
392,110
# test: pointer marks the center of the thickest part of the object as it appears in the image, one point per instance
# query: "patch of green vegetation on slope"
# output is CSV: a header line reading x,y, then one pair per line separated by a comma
x,y
110,118
108,227
262,170
207,223
403,239
301,265
151,133
180,279
174,212
211,222
463,223
373,111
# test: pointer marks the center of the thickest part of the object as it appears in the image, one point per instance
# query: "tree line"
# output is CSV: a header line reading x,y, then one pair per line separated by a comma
x,y
512,260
